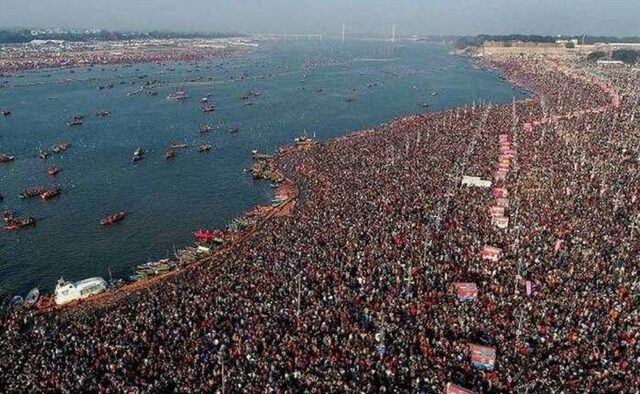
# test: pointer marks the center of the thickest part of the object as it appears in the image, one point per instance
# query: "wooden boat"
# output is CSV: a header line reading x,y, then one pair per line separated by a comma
x,y
53,170
113,218
50,193
6,158
17,223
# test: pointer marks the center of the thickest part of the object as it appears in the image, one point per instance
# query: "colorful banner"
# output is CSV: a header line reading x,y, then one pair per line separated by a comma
x,y
491,253
466,291
483,357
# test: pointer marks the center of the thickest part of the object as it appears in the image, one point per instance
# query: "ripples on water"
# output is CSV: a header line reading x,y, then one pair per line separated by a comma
x,y
166,201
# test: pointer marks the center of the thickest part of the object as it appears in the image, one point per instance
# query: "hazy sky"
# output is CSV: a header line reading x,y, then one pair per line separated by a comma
x,y
601,17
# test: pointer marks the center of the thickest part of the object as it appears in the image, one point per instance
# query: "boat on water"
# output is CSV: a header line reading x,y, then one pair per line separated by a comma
x,y
112,218
5,158
17,223
16,301
7,214
207,108
424,105
43,154
350,100
50,193
154,268
304,142
33,192
102,113
169,154
74,122
204,148
5,112
53,170
205,128
234,130
138,155
32,297
67,291
60,147
178,95
179,146
209,236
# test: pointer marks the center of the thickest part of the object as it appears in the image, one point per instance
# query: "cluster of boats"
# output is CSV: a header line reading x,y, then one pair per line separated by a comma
x,y
57,148
65,292
43,193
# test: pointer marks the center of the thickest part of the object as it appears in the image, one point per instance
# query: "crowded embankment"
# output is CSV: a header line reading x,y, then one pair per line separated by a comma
x,y
491,248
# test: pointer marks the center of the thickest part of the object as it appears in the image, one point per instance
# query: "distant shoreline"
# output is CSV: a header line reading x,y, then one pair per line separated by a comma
x,y
20,58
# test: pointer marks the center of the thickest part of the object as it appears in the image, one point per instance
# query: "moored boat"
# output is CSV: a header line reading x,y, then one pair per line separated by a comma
x,y
112,218
32,297
67,291
102,113
205,128
5,112
204,148
179,146
234,130
169,154
209,236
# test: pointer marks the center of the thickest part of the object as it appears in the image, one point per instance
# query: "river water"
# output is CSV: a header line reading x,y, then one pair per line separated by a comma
x,y
325,89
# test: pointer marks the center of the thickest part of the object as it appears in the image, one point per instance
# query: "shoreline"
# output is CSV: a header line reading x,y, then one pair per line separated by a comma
x,y
26,58
116,294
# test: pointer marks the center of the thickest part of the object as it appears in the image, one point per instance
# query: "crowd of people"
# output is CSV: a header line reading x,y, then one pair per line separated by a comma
x,y
51,54
354,291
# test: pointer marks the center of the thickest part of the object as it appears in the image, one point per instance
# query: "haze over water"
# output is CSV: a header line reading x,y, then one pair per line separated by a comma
x,y
166,201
